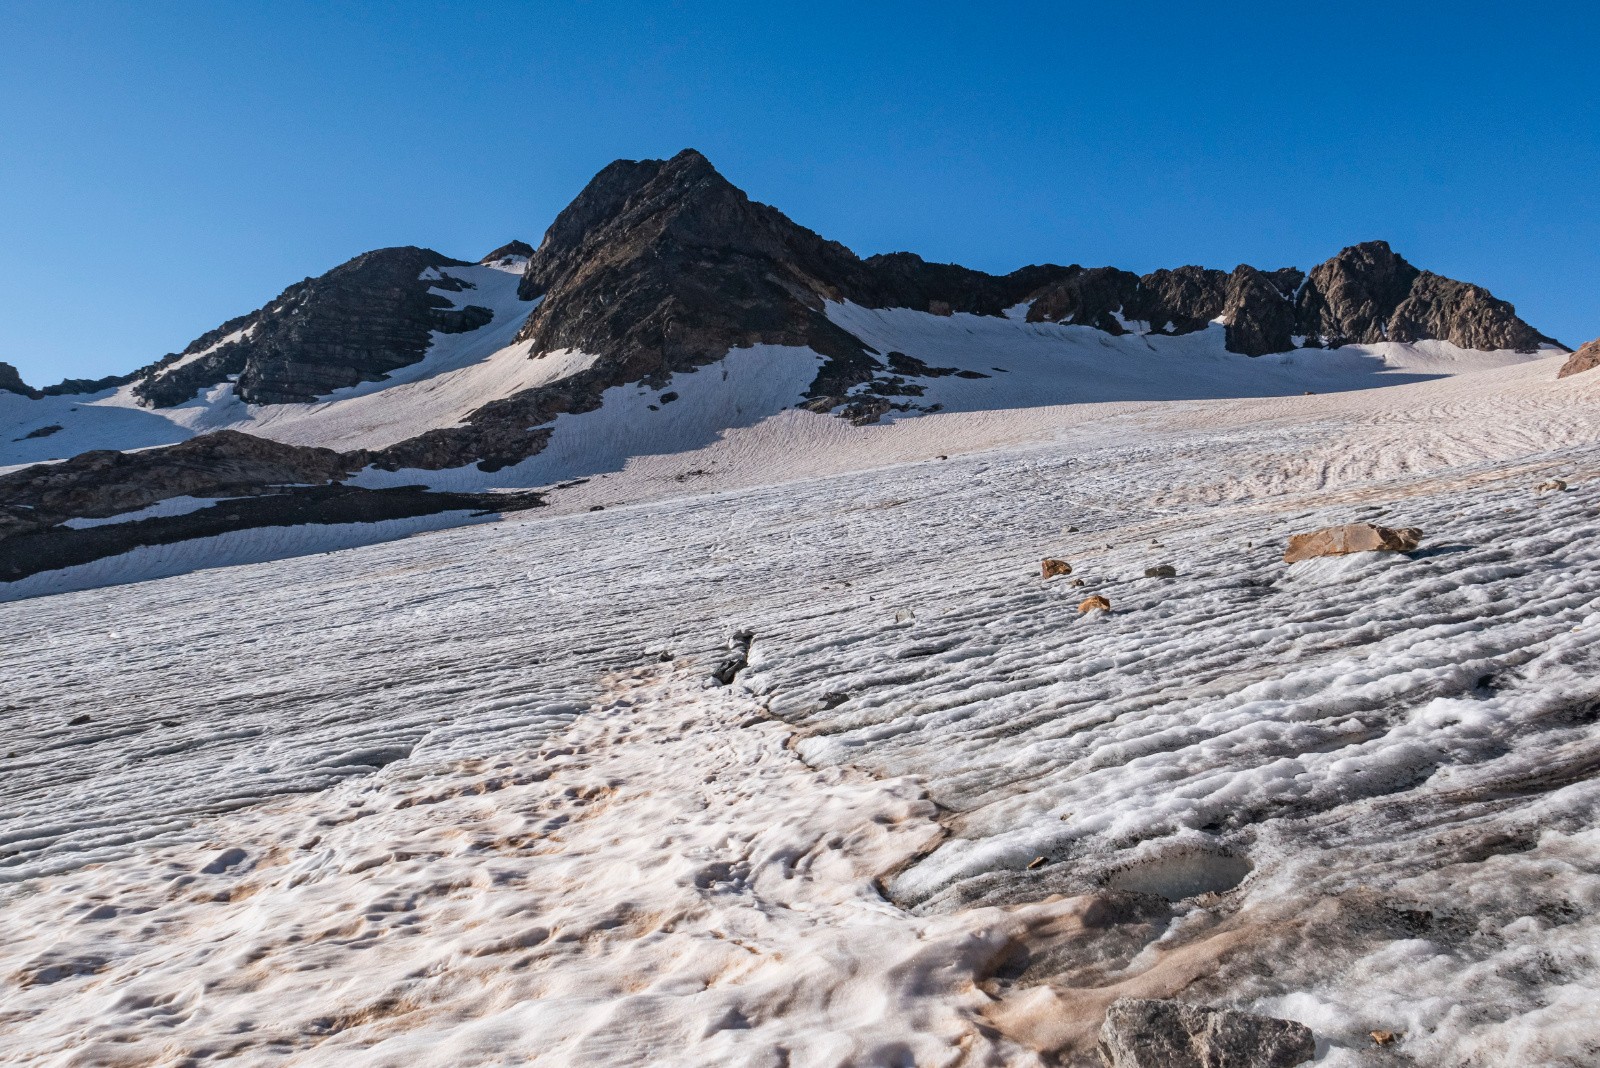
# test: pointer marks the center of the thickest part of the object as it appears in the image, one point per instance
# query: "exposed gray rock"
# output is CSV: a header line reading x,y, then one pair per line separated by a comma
x,y
72,386
1349,298
1086,297
736,660
265,483
1158,1033
37,550
1462,314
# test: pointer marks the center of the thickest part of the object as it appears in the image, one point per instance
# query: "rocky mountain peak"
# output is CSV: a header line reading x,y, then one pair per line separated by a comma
x,y
1351,296
1368,293
11,381
356,323
508,251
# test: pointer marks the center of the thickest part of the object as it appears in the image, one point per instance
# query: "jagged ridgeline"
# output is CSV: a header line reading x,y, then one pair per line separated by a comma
x,y
660,266
657,268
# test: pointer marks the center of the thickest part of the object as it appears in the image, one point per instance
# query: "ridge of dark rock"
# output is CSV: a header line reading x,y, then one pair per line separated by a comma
x,y
11,381
1368,293
509,250
106,482
356,323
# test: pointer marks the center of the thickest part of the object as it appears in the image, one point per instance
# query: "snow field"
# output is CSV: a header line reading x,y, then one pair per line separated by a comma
x,y
1354,792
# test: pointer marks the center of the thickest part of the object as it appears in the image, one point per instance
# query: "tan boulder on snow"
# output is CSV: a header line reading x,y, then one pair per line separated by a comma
x,y
1351,538
1586,357
1094,603
1051,568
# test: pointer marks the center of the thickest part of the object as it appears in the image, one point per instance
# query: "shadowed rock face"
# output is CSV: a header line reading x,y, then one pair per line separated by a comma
x,y
509,250
264,483
12,382
1586,358
106,483
1092,296
1367,294
1258,314
1180,301
354,324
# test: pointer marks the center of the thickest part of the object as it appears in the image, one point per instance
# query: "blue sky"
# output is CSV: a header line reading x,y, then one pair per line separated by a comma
x,y
166,166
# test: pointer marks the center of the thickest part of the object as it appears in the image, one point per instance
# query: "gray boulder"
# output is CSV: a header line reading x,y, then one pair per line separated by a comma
x,y
1159,1033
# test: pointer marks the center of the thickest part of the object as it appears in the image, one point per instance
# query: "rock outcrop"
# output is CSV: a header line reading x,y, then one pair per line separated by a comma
x,y
1368,294
257,483
357,323
1585,358
511,250
1159,1033
106,483
11,382
1179,301
1086,296
1258,312
1351,538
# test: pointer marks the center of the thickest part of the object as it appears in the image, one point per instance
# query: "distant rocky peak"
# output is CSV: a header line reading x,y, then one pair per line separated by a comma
x,y
1368,294
368,316
511,250
633,206
1352,295
11,381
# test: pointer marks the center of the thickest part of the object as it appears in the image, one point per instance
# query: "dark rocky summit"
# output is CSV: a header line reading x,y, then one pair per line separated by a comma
x,y
509,250
1586,358
1368,293
354,324
12,382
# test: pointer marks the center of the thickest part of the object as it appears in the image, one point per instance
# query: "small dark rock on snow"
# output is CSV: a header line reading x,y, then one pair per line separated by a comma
x,y
737,659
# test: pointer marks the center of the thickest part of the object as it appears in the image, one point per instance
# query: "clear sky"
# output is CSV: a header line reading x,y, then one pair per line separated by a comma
x,y
165,166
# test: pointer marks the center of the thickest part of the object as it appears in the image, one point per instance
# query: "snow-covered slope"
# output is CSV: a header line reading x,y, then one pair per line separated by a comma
x,y
459,373
444,801
1026,364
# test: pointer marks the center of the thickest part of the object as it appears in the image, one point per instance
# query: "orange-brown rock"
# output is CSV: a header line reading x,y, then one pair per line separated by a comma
x,y
1351,538
1095,603
1586,357
1051,568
